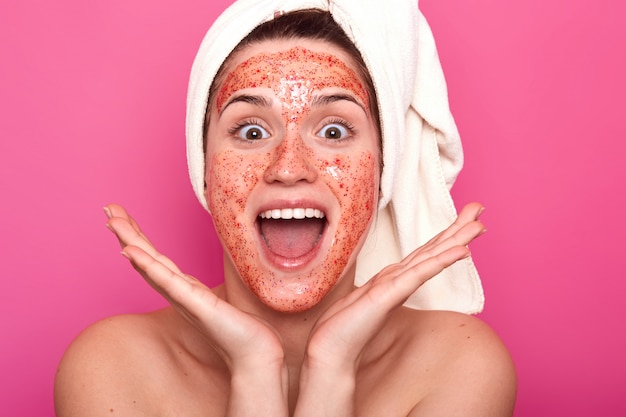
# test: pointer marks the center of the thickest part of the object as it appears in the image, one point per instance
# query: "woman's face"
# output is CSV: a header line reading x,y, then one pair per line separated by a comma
x,y
292,169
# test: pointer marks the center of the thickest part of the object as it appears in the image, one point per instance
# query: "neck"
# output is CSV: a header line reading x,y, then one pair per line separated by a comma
x,y
294,328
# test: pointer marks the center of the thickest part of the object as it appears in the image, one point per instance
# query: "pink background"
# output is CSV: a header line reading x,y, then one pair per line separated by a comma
x,y
92,111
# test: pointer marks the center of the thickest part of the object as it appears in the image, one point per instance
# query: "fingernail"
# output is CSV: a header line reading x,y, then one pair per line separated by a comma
x,y
108,212
125,255
480,211
110,227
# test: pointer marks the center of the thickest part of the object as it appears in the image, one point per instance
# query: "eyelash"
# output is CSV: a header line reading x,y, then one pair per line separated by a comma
x,y
252,121
242,124
342,122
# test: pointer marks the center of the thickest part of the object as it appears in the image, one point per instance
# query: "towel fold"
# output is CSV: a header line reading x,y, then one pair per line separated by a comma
x,y
422,150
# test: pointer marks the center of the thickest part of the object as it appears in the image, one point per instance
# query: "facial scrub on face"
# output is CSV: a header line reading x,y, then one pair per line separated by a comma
x,y
422,152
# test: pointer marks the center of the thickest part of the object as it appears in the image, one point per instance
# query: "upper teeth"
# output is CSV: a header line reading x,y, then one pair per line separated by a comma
x,y
292,213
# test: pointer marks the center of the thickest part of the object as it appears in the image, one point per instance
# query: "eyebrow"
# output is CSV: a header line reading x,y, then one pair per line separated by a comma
x,y
247,98
323,100
317,101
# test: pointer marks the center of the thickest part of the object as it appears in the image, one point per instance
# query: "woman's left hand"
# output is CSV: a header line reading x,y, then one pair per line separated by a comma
x,y
341,334
338,339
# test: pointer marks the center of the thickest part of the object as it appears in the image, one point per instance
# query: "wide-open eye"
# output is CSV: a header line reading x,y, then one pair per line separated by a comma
x,y
253,132
335,131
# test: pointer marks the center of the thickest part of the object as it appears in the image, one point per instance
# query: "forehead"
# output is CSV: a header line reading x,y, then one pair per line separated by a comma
x,y
274,62
279,47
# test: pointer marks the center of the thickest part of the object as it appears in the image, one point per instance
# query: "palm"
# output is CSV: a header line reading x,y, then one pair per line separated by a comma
x,y
343,331
237,336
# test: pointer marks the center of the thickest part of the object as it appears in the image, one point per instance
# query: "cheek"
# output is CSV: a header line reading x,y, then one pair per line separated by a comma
x,y
230,180
355,185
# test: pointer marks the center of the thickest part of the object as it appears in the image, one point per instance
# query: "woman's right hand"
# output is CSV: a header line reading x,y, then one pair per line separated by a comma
x,y
243,341
251,349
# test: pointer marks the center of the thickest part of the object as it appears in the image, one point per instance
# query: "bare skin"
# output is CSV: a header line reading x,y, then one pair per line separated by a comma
x,y
242,349
421,363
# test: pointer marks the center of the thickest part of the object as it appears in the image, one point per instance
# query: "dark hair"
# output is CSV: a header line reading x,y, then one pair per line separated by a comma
x,y
312,24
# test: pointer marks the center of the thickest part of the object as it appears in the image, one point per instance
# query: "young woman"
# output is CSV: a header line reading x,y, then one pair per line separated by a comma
x,y
292,150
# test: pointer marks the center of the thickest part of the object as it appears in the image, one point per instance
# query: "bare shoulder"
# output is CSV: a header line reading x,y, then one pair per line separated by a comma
x,y
472,372
99,369
121,365
436,363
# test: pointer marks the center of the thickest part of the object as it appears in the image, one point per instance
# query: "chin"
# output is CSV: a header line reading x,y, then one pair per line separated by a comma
x,y
301,290
291,292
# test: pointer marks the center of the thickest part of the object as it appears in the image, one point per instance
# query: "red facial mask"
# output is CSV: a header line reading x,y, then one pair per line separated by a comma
x,y
348,176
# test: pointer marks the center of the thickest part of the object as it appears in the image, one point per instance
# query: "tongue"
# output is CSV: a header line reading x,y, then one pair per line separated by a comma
x,y
291,238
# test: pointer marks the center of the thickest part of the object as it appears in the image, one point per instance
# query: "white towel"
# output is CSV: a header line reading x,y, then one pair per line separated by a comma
x,y
422,150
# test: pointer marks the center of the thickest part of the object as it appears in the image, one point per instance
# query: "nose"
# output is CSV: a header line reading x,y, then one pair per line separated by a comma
x,y
291,162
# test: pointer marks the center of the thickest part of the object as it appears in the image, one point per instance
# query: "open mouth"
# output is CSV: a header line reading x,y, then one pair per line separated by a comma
x,y
292,232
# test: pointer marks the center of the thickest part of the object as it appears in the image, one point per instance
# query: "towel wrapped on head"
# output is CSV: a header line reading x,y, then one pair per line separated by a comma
x,y
422,151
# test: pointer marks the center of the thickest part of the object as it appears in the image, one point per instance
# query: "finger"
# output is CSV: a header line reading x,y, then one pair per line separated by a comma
x,y
419,268
461,237
176,287
214,317
471,212
394,292
191,299
464,235
128,235
367,313
118,218
117,211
